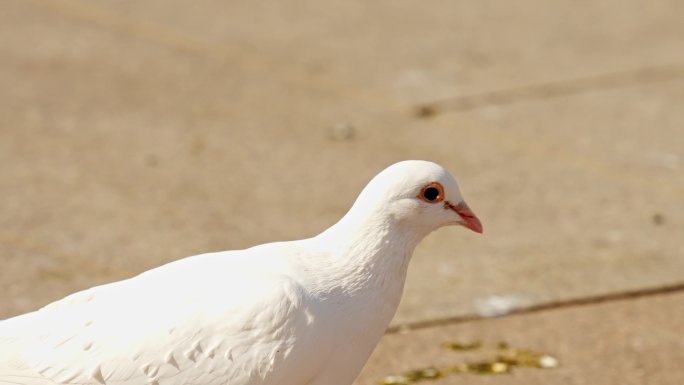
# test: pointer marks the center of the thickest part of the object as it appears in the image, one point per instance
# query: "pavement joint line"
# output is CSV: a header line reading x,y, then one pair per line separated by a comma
x,y
555,89
541,307
110,21
26,245
22,243
171,38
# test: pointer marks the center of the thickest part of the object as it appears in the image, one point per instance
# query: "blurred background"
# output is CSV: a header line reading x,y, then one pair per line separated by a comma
x,y
134,133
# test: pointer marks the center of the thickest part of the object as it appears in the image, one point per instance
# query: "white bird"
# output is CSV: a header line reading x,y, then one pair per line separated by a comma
x,y
306,312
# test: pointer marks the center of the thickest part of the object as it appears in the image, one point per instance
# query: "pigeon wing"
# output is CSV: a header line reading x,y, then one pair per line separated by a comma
x,y
237,327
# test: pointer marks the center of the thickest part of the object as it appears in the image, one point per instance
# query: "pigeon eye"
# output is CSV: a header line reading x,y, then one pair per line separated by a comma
x,y
432,193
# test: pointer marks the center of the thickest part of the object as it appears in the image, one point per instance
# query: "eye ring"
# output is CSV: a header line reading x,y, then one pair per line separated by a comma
x,y
432,193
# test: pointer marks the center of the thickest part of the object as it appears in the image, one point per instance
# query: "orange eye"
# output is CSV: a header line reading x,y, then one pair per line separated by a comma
x,y
432,193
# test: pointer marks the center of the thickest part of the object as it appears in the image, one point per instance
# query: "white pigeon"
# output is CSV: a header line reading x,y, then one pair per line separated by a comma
x,y
307,312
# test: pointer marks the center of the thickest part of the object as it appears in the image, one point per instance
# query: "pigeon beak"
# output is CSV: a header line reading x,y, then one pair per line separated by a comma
x,y
470,220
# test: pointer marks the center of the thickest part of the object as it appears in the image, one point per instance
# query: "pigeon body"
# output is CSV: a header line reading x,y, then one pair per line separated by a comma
x,y
306,312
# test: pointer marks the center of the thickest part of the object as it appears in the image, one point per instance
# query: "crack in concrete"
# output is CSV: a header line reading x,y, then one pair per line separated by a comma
x,y
553,305
542,91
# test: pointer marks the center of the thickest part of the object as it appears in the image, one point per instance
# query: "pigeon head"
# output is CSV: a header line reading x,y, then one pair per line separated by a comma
x,y
418,194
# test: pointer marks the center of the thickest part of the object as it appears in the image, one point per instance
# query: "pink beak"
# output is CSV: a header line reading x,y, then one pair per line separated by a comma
x,y
470,220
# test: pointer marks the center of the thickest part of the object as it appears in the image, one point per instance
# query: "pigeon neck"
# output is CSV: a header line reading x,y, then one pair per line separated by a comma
x,y
371,247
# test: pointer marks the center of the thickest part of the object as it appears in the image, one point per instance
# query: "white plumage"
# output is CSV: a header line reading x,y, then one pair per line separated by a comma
x,y
305,312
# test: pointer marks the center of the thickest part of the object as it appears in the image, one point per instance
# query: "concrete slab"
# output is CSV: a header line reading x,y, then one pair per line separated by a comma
x,y
623,342
578,194
133,135
392,52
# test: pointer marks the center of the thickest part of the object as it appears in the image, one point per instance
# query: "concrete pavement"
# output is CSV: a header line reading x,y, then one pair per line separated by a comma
x,y
637,341
136,133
